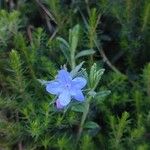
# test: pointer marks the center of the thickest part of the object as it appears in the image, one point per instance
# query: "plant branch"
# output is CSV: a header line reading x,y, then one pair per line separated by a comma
x,y
102,53
83,119
29,32
48,13
105,59
48,17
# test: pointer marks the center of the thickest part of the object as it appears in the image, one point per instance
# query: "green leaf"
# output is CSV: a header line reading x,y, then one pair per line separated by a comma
x,y
91,125
95,76
78,108
65,52
92,93
63,41
103,93
64,46
76,69
43,82
74,37
85,53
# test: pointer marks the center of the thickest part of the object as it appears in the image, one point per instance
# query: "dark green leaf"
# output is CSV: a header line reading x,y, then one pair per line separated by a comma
x,y
78,108
91,125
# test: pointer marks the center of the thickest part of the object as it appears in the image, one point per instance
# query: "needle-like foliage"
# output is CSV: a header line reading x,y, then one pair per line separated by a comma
x,y
102,98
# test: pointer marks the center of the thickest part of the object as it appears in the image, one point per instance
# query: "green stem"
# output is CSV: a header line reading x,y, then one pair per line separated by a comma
x,y
84,116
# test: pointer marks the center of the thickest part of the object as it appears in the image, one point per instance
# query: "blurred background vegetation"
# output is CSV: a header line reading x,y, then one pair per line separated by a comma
x,y
115,35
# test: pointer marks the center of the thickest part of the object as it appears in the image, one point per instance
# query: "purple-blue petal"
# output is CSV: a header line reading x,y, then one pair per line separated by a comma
x,y
64,98
53,87
64,76
58,105
79,82
78,95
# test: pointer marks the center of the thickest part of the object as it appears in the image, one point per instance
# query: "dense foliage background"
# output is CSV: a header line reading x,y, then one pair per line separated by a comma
x,y
35,39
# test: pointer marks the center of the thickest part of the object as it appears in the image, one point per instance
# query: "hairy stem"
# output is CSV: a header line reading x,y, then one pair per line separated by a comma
x,y
83,119
82,122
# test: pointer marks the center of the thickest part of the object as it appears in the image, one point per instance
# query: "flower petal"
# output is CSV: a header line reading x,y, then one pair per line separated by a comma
x,y
58,105
53,87
79,82
78,95
64,98
64,76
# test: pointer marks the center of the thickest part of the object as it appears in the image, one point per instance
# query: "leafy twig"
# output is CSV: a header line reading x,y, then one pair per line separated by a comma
x,y
106,60
103,55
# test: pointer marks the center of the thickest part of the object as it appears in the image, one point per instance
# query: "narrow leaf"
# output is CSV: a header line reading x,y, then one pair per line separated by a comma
x,y
43,82
78,108
91,125
76,69
65,52
103,93
74,37
85,53
63,41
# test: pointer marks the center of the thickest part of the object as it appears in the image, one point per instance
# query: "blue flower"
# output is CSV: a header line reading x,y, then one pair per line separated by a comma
x,y
66,88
